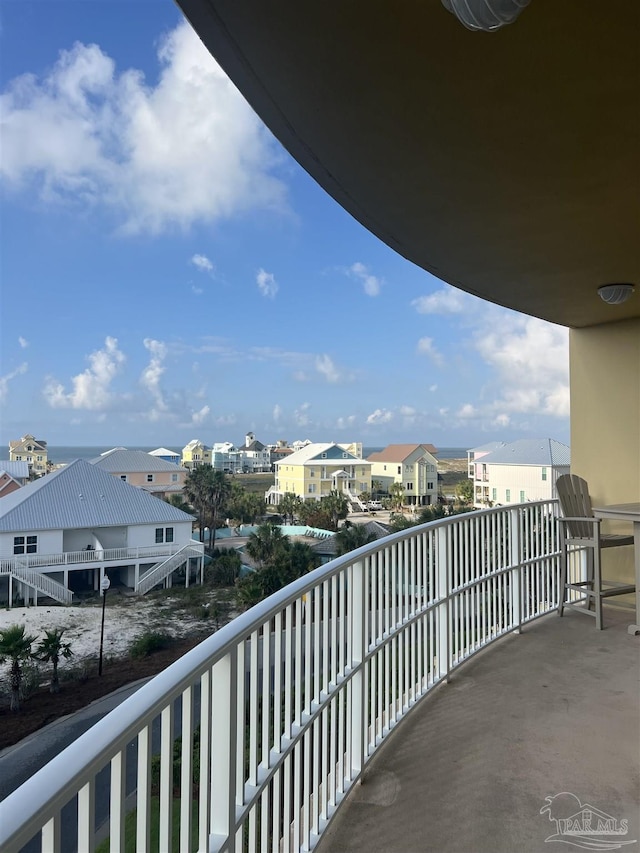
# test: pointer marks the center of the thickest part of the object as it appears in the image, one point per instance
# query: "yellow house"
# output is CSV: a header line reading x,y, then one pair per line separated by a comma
x,y
319,468
195,453
32,451
414,466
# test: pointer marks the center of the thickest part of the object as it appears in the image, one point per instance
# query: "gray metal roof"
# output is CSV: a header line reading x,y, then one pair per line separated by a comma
x,y
488,447
17,470
82,495
530,451
133,462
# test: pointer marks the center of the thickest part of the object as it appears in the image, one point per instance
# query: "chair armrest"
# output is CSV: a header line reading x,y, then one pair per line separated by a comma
x,y
589,518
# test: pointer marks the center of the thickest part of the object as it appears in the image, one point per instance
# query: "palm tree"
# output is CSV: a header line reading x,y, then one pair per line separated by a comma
x,y
266,543
289,506
15,646
195,493
207,491
218,492
50,650
396,490
337,505
352,536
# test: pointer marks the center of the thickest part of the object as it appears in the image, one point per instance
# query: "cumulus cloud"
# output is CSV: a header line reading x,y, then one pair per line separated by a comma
x,y
91,388
24,343
301,415
468,410
371,284
187,149
200,417
267,284
151,375
531,359
202,263
449,300
326,368
428,348
8,377
345,422
380,416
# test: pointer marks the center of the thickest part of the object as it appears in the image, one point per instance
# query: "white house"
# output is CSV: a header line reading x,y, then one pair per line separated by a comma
x,y
63,533
414,466
524,470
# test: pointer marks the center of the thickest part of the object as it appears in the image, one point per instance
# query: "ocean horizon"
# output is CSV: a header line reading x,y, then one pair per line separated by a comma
x,y
62,455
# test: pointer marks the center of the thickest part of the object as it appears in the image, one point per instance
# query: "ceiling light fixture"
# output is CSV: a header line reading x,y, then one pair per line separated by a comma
x,y
485,15
615,294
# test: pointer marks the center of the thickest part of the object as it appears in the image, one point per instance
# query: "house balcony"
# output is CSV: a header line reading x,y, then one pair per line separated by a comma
x,y
429,666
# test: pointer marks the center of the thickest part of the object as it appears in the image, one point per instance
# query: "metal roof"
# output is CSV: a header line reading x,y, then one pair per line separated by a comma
x,y
164,451
489,447
133,461
82,495
530,451
399,452
17,470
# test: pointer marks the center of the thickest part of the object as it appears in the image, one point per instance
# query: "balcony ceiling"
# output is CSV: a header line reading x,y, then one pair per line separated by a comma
x,y
506,163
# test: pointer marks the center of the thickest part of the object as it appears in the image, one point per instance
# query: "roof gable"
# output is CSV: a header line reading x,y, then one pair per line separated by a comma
x,y
399,452
82,495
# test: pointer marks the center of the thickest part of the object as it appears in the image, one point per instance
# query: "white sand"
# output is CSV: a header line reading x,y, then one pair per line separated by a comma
x,y
125,620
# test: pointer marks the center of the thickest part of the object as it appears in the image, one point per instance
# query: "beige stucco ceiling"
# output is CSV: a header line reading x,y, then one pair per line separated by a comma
x,y
506,163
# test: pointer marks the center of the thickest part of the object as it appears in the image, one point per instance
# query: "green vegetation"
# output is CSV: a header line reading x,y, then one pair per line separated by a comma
x,y
464,491
15,646
352,536
149,642
208,492
154,828
50,650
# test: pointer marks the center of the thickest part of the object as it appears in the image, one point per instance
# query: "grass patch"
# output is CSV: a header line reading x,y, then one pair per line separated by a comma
x,y
130,829
148,643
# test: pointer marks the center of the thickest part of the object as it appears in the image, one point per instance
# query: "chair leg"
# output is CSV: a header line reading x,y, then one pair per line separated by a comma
x,y
590,557
563,580
597,588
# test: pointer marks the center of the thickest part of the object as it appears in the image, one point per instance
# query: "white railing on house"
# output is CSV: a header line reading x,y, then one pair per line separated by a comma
x,y
40,582
281,709
101,555
162,570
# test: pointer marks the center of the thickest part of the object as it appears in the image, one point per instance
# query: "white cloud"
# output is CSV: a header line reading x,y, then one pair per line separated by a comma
x,y
531,359
197,290
8,377
327,369
277,413
151,375
449,300
198,418
301,415
427,347
371,284
24,343
407,411
267,284
468,410
188,149
345,423
380,416
202,263
91,387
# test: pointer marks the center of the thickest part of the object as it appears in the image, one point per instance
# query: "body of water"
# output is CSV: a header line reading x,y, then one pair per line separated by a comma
x,y
60,455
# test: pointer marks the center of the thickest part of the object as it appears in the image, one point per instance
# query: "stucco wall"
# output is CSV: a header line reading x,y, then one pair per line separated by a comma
x,y
605,419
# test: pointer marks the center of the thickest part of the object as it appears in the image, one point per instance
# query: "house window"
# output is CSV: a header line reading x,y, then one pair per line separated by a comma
x,y
159,535
494,494
521,497
18,458
399,469
123,477
312,488
164,534
430,486
39,458
174,478
345,455
508,495
25,544
312,472
29,448
324,455
544,473
168,534
149,478
409,487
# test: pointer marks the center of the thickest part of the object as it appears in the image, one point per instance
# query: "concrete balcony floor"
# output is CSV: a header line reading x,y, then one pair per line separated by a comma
x,y
553,710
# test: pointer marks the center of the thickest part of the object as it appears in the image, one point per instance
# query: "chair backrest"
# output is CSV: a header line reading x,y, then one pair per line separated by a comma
x,y
573,494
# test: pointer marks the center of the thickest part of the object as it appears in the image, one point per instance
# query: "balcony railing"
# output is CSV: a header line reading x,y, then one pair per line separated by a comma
x,y
281,709
107,555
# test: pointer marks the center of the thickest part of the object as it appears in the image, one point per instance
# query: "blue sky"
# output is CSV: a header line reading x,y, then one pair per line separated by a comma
x,y
168,272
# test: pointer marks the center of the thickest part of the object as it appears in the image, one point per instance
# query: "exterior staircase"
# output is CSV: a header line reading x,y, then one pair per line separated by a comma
x,y
164,568
38,581
355,504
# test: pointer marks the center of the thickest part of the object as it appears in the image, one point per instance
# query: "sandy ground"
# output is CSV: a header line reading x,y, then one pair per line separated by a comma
x,y
125,620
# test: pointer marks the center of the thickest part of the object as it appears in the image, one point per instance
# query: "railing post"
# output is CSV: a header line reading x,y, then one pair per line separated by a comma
x,y
358,705
444,609
515,561
224,725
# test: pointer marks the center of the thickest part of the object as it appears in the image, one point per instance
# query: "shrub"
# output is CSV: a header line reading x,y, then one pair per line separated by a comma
x,y
148,643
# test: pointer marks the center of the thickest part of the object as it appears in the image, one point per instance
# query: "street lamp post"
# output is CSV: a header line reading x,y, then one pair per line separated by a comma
x,y
105,583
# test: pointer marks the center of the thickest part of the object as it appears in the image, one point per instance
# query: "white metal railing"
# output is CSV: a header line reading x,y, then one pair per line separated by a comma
x,y
44,584
282,708
101,555
159,572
